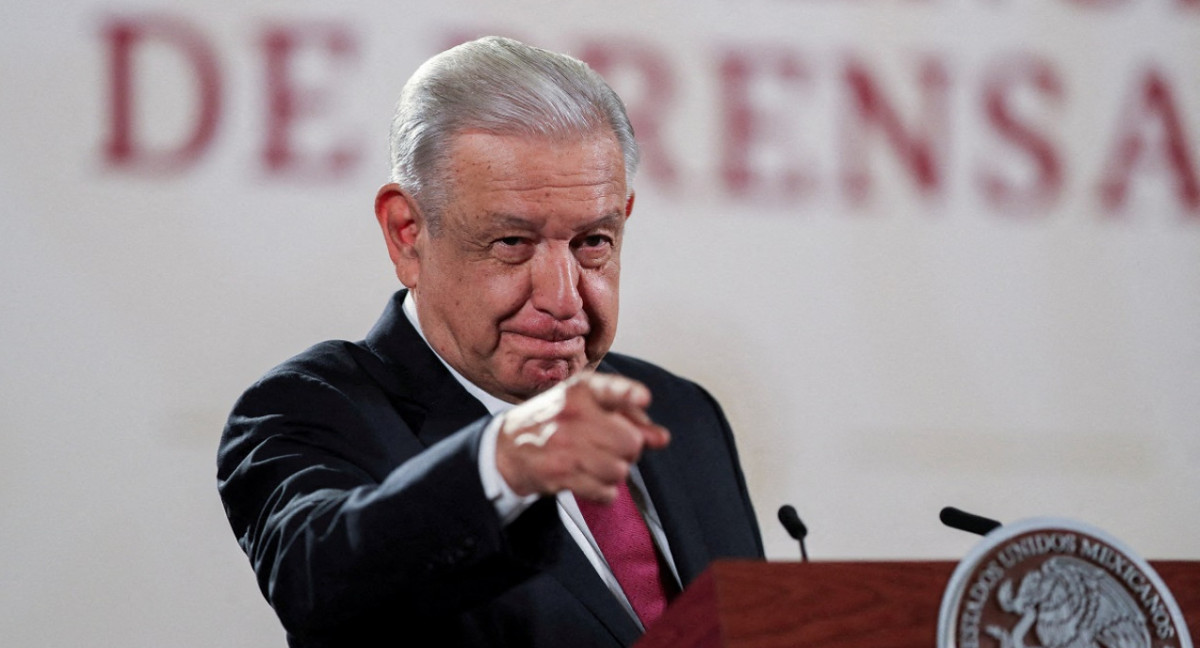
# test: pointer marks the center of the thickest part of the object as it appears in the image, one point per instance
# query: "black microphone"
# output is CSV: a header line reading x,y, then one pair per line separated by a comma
x,y
795,528
963,521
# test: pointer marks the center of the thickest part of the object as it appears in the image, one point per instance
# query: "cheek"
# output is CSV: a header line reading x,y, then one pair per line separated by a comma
x,y
600,292
495,296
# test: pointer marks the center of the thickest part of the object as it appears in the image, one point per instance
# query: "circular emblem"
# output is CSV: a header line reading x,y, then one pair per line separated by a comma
x,y
1055,583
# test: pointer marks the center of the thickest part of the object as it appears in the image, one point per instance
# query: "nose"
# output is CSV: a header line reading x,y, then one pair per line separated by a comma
x,y
555,283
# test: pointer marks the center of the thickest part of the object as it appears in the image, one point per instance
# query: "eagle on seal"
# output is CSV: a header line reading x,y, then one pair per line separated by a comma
x,y
1071,604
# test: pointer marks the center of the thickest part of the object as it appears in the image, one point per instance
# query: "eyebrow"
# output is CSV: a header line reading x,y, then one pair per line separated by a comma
x,y
503,220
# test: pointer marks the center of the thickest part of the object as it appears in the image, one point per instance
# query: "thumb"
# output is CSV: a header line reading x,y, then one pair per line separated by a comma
x,y
655,436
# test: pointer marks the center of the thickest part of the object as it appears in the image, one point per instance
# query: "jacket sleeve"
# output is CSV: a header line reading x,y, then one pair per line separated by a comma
x,y
345,515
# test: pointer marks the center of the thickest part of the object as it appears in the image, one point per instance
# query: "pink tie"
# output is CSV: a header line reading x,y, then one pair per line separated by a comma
x,y
625,541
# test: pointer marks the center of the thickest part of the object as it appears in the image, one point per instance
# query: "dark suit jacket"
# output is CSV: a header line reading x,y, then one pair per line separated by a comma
x,y
350,478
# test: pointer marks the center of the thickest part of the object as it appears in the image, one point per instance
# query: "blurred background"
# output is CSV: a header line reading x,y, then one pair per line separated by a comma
x,y
925,252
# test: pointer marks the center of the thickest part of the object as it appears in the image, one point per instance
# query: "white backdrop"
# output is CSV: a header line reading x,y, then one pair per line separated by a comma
x,y
925,252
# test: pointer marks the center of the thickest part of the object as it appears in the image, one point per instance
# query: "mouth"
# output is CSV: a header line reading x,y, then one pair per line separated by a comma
x,y
546,344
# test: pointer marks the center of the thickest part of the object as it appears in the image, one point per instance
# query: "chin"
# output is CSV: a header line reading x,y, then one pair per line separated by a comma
x,y
542,374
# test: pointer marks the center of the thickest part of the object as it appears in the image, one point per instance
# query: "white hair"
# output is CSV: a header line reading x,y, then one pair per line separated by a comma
x,y
500,86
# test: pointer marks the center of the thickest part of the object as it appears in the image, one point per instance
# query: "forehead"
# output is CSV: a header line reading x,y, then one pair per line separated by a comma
x,y
505,171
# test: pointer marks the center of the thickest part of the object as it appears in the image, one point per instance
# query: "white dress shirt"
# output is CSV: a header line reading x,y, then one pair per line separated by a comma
x,y
510,505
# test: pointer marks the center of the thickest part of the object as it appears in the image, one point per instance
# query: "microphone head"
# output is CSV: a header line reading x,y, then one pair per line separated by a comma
x,y
791,521
969,522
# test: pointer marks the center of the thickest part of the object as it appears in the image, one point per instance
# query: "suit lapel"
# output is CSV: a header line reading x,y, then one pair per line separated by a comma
x,y
577,575
431,401
675,512
451,409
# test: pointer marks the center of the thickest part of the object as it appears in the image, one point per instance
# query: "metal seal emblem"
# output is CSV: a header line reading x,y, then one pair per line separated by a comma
x,y
1056,583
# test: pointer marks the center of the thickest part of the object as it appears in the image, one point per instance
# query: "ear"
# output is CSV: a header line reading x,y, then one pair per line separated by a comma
x,y
629,205
402,225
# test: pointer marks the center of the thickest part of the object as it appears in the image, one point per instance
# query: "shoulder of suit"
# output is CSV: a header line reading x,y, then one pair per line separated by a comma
x,y
661,382
327,359
636,368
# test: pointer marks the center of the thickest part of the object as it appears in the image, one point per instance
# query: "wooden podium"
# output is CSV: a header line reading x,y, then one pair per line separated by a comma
x,y
744,604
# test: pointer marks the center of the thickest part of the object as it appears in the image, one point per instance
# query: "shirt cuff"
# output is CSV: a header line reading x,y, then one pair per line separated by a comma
x,y
509,505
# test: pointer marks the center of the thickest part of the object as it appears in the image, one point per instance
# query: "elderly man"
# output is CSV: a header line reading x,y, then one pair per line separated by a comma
x,y
480,470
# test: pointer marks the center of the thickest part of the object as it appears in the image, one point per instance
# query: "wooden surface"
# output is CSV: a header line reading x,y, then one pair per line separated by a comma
x,y
885,604
1182,577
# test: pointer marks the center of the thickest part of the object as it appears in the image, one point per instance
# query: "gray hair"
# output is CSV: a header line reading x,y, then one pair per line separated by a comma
x,y
500,86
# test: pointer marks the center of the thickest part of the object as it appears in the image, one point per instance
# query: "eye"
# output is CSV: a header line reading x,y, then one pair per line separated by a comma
x,y
512,249
593,250
594,241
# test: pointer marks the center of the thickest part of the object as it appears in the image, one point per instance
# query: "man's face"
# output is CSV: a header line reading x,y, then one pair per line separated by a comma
x,y
518,288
